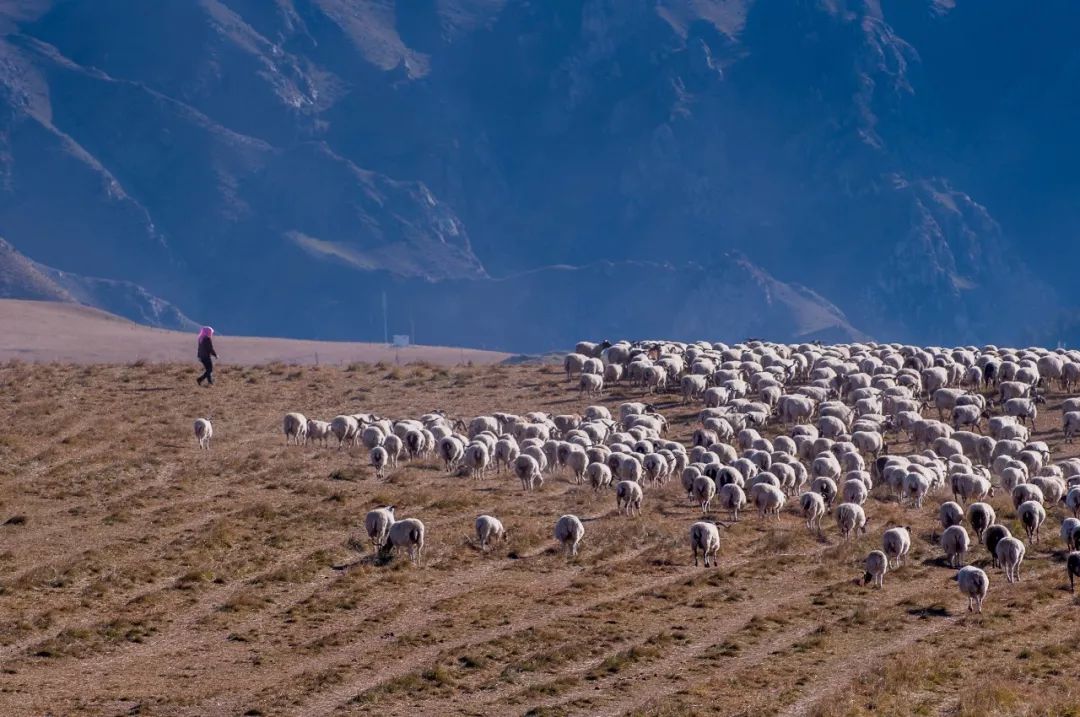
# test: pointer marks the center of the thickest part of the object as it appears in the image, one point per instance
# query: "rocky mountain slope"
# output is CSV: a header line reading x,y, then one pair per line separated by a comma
x,y
277,166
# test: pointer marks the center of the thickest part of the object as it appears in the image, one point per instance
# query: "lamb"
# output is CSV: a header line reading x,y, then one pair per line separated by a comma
x,y
527,470
317,431
488,529
950,514
706,538
955,542
974,584
569,531
628,497
379,458
377,524
704,490
203,432
813,508
732,498
1010,553
1032,515
1072,566
980,517
850,517
896,543
408,533
994,535
877,564
599,475
295,428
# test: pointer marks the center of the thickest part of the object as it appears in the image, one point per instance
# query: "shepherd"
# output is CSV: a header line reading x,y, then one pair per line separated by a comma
x,y
206,350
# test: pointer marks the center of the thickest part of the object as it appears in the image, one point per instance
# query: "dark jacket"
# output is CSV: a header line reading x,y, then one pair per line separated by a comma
x,y
206,349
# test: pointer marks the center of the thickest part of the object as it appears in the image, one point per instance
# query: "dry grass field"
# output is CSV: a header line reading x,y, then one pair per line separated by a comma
x,y
140,576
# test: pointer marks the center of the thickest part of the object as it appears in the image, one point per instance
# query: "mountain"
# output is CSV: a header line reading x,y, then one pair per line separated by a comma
x,y
894,168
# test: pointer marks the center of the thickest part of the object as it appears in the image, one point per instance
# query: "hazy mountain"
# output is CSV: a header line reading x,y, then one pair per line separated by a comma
x,y
276,166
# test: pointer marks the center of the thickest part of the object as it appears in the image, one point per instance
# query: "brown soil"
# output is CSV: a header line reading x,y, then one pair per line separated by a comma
x,y
139,575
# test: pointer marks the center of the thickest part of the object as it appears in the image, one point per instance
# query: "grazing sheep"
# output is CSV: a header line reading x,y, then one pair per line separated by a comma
x,y
489,529
704,490
732,498
877,564
896,543
295,428
408,533
344,428
379,458
950,514
813,508
1010,553
451,451
826,488
317,431
974,584
1032,515
706,538
591,384
1070,533
569,531
1072,500
768,499
955,542
994,535
1026,492
476,459
980,517
854,491
850,517
527,470
599,475
377,524
628,497
1072,565
203,432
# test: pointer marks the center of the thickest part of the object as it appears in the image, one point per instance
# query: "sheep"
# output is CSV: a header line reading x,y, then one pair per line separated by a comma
x,y
344,428
573,362
527,470
876,564
628,497
916,485
1023,408
1072,500
378,459
1010,553
1072,566
372,436
451,451
950,514
295,428
693,386
599,476
768,499
476,459
1070,533
896,543
393,447
994,535
1032,515
1070,424
732,498
981,516
706,538
974,584
569,531
826,487
704,490
377,524
854,491
850,517
813,508
966,486
506,452
1026,492
408,533
203,432
488,529
591,384
317,431
955,542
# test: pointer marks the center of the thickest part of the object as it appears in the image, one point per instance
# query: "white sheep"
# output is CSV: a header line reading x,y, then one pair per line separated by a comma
x,y
1032,515
344,428
974,584
451,451
599,476
850,517
854,491
377,524
706,538
955,543
1010,553
204,431
489,528
628,497
408,533
317,431
527,470
704,490
1070,533
591,384
476,459
295,428
981,516
732,498
1072,566
876,564
569,531
896,543
379,459
813,508
950,514
768,499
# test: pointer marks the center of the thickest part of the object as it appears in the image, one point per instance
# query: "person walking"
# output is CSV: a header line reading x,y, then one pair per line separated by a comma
x,y
206,350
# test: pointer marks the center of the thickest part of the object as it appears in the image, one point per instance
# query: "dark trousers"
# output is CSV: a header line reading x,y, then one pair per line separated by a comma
x,y
208,374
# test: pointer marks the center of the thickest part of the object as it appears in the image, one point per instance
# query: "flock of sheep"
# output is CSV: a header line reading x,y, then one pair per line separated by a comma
x,y
834,412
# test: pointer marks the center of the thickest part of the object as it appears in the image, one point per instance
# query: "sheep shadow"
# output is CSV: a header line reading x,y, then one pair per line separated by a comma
x,y
928,611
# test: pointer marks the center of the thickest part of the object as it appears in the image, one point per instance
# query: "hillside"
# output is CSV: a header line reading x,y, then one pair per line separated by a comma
x,y
55,332
898,159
